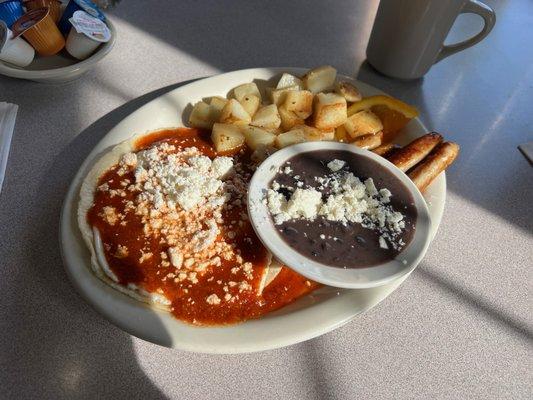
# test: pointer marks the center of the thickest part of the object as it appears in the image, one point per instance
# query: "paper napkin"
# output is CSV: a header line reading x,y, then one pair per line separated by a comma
x,y
8,114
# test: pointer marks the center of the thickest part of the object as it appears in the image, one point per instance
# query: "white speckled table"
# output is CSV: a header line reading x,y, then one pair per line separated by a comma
x,y
459,327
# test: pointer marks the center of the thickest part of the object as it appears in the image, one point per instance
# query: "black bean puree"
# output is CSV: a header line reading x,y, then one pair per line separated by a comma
x,y
356,246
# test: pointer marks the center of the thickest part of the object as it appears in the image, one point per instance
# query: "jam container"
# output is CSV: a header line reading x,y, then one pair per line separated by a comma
x,y
10,11
54,5
40,30
86,34
78,5
14,50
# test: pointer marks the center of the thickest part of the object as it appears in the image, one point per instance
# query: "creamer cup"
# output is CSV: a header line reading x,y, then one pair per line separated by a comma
x,y
40,30
10,11
86,35
54,5
16,50
78,5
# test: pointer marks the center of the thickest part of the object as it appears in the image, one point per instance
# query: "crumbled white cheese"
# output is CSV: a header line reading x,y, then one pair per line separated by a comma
x,y
244,286
192,277
205,238
145,256
383,243
122,251
304,203
110,215
336,165
213,299
186,182
385,195
176,258
348,200
370,187
129,159
221,166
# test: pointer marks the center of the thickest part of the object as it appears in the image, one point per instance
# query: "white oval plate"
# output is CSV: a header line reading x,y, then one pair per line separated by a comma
x,y
310,316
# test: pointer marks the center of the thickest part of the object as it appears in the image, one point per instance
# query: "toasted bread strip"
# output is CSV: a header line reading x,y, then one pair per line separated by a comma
x,y
369,142
434,164
407,157
385,149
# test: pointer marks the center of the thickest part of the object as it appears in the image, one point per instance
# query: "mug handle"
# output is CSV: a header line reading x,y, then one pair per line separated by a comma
x,y
489,17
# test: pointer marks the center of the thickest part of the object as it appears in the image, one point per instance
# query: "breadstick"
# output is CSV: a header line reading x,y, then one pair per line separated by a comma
x,y
385,149
369,142
407,157
436,162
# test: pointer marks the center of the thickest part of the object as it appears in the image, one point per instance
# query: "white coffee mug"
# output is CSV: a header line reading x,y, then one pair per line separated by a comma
x,y
408,35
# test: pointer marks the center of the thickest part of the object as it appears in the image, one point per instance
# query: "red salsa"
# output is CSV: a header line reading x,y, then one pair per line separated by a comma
x,y
188,299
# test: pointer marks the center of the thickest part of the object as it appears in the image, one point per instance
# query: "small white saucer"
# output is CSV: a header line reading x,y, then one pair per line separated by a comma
x,y
355,278
59,68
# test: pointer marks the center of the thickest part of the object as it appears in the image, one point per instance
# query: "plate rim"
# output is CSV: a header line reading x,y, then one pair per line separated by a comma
x,y
71,200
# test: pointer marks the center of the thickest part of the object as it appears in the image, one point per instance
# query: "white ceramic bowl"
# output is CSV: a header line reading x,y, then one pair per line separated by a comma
x,y
60,67
352,278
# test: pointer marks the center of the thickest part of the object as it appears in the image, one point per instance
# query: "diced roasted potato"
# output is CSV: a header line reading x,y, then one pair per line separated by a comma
x,y
327,135
291,137
201,116
226,137
275,131
317,135
217,103
312,134
246,89
363,123
250,103
330,111
234,113
320,79
278,95
369,142
348,91
300,102
267,117
289,119
288,80
256,137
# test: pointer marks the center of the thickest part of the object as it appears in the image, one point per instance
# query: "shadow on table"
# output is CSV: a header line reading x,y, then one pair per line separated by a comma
x,y
512,324
82,356
256,33
409,91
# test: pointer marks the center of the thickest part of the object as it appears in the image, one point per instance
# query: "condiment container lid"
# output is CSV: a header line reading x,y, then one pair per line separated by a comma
x,y
89,7
28,20
90,26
